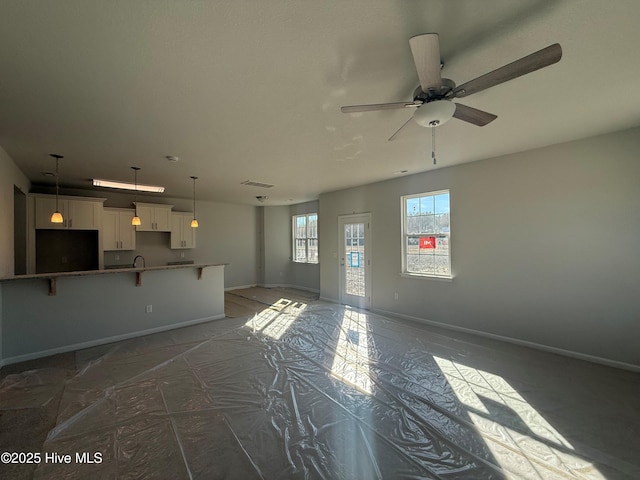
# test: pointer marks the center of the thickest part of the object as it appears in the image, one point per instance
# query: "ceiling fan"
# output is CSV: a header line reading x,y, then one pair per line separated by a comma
x,y
432,99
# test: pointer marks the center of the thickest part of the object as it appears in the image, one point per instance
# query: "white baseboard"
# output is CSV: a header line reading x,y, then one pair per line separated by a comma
x,y
330,300
103,341
273,285
287,285
516,341
239,287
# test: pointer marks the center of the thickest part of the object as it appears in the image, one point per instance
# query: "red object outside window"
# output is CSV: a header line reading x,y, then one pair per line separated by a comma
x,y
427,242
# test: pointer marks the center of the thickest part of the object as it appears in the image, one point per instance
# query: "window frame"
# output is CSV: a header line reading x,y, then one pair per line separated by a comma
x,y
308,236
404,235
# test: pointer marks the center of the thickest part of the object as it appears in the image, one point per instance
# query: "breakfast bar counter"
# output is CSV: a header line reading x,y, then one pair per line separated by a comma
x,y
53,277
48,313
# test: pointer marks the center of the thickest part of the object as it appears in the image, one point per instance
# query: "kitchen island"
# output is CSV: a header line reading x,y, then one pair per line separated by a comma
x,y
49,313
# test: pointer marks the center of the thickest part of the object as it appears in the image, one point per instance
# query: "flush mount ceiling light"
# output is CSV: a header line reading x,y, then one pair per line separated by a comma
x,y
194,222
56,217
97,182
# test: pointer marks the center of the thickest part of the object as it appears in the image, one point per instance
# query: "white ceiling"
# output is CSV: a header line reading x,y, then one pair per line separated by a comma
x,y
251,90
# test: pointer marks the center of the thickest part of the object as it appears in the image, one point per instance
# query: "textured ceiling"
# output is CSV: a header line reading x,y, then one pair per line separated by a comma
x,y
251,90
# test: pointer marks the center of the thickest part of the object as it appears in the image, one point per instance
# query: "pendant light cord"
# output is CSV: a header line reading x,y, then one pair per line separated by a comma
x,y
194,196
135,182
57,157
57,188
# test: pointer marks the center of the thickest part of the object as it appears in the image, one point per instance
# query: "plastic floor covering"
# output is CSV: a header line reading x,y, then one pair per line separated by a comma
x,y
324,391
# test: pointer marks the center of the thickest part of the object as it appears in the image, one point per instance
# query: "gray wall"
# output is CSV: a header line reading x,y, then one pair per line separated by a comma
x,y
277,245
278,267
544,247
19,231
10,175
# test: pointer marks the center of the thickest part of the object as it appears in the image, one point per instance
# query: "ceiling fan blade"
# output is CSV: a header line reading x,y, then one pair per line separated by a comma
x,y
378,106
473,115
395,135
426,55
530,63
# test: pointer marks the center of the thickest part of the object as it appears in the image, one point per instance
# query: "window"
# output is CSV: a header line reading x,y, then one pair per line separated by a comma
x,y
426,234
305,238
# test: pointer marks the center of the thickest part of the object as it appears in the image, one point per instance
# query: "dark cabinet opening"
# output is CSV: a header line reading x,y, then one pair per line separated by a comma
x,y
66,250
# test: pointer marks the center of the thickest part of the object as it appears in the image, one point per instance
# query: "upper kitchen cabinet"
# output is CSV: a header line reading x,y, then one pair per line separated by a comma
x,y
182,234
78,213
153,217
117,231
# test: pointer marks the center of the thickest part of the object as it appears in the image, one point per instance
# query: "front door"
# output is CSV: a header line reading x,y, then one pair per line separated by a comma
x,y
355,259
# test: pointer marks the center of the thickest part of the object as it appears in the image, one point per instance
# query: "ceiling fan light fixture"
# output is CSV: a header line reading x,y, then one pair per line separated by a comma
x,y
435,113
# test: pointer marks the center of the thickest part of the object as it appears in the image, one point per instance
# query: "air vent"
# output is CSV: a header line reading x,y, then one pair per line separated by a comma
x,y
256,184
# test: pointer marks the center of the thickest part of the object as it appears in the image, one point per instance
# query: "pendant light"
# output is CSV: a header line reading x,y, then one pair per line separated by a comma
x,y
56,217
136,219
194,222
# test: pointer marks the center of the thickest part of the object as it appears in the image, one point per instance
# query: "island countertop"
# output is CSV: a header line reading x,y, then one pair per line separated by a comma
x,y
53,277
81,273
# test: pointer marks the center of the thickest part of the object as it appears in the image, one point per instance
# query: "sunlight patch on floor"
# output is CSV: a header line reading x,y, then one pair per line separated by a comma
x,y
351,360
521,440
276,319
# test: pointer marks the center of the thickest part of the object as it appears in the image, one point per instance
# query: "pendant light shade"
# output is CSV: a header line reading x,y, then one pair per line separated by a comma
x,y
194,222
136,219
56,217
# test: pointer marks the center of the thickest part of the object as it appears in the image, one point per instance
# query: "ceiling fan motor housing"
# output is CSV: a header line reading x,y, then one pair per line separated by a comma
x,y
434,113
443,91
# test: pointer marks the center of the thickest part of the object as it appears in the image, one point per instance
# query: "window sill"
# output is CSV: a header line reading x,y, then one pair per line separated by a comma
x,y
426,277
305,263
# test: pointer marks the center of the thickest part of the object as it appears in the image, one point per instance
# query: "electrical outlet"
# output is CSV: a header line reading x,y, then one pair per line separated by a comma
x,y
117,257
395,295
149,308
181,254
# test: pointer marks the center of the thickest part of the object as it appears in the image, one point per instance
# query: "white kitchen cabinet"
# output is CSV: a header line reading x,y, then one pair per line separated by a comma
x,y
78,213
154,217
117,231
182,234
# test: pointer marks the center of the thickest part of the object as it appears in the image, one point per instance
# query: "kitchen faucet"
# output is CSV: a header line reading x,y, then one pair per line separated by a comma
x,y
136,258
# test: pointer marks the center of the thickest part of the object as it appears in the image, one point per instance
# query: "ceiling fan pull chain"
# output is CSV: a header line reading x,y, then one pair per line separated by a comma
x,y
433,144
